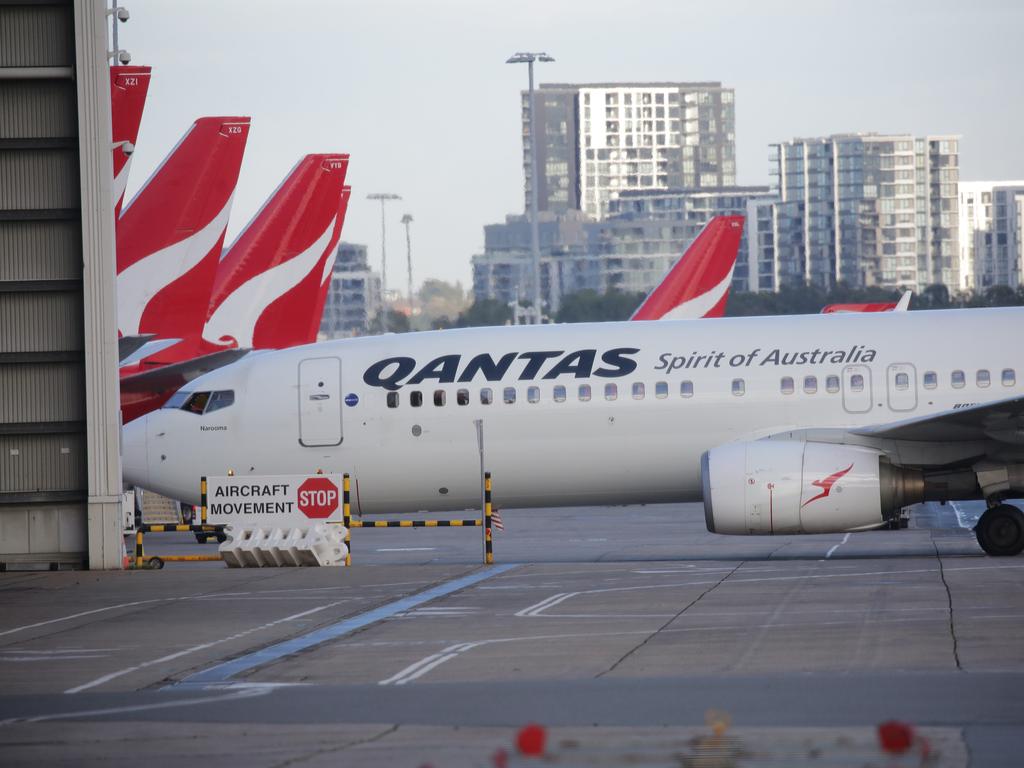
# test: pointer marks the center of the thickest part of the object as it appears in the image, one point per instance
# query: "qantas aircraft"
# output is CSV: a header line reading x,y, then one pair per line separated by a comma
x,y
902,305
788,424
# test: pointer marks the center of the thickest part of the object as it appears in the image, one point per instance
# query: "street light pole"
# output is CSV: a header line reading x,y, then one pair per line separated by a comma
x,y
383,197
528,59
407,220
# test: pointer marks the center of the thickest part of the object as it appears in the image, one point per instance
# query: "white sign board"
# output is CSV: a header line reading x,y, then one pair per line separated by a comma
x,y
273,500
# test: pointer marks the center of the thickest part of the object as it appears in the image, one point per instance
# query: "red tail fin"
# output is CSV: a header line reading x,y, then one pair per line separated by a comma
x,y
128,88
698,285
325,277
266,284
170,237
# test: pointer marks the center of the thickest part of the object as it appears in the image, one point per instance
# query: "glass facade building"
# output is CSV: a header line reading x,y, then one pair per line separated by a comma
x,y
354,295
598,140
866,209
991,248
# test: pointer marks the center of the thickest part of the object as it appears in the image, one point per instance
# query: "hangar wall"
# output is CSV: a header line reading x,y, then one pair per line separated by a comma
x,y
59,431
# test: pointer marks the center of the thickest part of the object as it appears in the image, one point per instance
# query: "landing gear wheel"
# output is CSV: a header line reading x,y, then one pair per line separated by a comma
x,y
1000,531
202,538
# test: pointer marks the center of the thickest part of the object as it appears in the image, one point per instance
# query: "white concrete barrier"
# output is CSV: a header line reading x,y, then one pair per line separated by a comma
x,y
274,547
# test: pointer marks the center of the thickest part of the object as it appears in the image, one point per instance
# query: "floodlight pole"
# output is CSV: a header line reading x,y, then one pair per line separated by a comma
x,y
528,59
407,220
383,197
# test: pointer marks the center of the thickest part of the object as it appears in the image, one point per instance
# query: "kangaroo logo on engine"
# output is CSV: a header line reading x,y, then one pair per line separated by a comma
x,y
395,372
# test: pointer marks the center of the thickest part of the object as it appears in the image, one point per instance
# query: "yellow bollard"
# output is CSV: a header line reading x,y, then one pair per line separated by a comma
x,y
488,544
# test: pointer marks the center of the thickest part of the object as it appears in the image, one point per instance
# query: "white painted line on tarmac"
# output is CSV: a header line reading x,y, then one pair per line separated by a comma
x,y
549,602
81,614
195,648
234,695
828,554
960,516
421,667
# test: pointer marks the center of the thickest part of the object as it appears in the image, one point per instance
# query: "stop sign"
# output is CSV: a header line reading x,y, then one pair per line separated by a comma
x,y
318,498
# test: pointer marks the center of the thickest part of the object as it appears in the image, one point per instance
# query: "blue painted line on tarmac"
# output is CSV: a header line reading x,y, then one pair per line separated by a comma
x,y
223,673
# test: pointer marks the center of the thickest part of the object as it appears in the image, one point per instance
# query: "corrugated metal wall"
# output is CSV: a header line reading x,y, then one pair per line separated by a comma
x,y
43,462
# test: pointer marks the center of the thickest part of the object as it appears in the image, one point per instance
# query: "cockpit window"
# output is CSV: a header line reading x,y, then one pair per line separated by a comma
x,y
177,399
221,399
201,402
197,403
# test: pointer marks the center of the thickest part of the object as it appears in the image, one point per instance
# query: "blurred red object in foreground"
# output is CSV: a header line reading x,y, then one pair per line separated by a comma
x,y
530,740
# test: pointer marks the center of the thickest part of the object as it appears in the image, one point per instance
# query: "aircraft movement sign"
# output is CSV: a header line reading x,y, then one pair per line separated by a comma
x,y
273,500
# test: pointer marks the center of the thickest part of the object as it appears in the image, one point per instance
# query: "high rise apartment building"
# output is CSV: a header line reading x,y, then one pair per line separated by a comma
x,y
866,209
354,295
598,140
991,245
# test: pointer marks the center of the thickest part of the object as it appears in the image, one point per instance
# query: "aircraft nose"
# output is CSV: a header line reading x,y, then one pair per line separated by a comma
x,y
135,453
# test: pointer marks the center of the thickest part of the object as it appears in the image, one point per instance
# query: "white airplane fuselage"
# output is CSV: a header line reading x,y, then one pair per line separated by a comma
x,y
325,406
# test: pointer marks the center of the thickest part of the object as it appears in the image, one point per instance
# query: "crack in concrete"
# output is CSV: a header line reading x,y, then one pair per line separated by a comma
x,y
668,623
337,748
949,602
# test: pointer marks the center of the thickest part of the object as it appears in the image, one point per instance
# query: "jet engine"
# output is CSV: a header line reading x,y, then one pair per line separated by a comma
x,y
787,486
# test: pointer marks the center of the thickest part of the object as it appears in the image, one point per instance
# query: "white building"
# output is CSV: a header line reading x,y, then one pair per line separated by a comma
x,y
991,251
599,139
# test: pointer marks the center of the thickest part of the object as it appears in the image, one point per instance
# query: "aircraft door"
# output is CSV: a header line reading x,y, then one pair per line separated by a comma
x,y
901,383
857,388
320,401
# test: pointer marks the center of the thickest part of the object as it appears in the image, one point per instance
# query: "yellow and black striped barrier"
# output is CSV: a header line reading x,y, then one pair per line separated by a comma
x,y
488,544
157,561
414,523
349,523
346,515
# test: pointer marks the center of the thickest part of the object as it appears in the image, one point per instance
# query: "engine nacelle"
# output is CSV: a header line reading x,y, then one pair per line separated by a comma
x,y
786,486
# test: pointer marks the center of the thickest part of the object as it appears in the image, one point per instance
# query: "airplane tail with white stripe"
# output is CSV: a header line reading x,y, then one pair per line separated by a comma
x,y
128,89
268,285
698,285
170,236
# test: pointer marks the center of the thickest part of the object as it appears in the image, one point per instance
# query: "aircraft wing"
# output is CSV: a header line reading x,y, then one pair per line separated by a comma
x,y
128,345
175,375
1002,421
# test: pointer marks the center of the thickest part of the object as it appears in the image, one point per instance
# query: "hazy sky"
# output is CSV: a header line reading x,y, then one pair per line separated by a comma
x,y
419,94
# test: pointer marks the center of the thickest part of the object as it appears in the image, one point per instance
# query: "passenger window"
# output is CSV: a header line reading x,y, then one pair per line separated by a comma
x,y
559,393
810,384
611,391
686,388
533,394
857,382
832,384
638,390
931,380
661,390
197,403
177,400
1009,377
438,397
415,398
486,396
509,395
738,387
584,392
902,381
983,378
957,379
786,385
392,399
462,397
